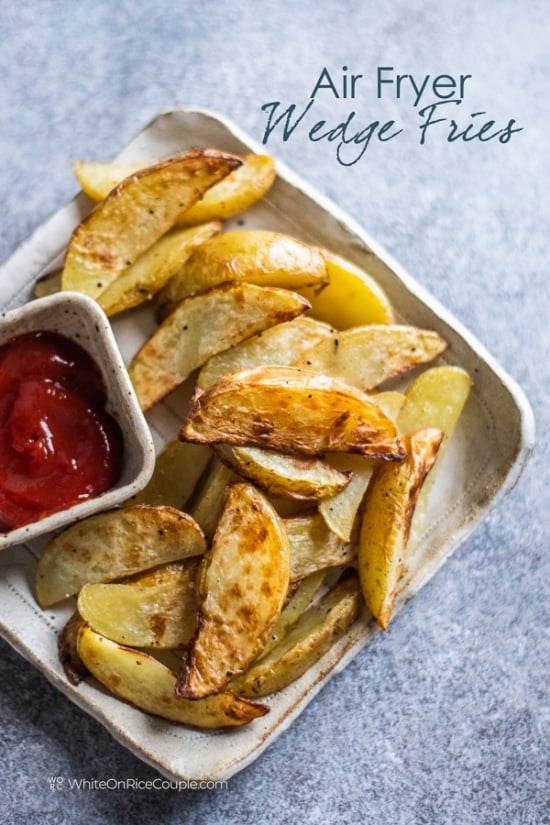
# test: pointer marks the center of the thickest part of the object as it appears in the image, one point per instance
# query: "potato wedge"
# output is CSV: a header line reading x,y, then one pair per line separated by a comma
x,y
48,284
235,193
286,476
110,545
386,520
291,410
67,650
203,325
239,190
436,398
152,610
136,214
257,256
98,178
369,355
178,468
280,345
315,632
140,679
300,600
154,268
243,583
340,510
313,546
351,298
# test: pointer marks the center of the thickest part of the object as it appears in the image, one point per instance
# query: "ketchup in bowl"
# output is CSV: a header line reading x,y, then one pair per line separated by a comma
x,y
58,444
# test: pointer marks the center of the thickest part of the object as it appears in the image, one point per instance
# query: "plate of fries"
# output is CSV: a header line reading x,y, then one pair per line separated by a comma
x,y
327,435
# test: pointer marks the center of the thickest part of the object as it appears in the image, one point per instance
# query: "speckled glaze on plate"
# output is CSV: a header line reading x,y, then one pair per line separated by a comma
x,y
492,443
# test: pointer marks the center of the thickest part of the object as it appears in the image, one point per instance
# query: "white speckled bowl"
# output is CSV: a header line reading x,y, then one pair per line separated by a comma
x,y
79,318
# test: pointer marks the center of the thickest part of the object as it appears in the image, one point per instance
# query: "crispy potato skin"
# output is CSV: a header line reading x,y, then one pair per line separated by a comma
x,y
386,521
243,584
294,411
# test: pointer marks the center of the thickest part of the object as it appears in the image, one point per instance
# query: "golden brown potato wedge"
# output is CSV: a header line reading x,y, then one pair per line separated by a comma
x,y
140,679
291,410
111,545
203,325
303,595
315,632
257,256
239,190
366,356
243,583
152,610
351,298
178,468
141,281
388,510
286,476
67,650
136,214
313,546
280,345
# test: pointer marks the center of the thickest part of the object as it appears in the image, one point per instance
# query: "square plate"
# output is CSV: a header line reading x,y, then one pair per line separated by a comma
x,y
492,443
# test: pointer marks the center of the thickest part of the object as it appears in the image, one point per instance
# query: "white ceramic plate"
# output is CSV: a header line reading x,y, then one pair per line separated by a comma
x,y
493,442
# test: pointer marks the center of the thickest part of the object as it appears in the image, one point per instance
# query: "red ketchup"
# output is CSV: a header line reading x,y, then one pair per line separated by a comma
x,y
58,444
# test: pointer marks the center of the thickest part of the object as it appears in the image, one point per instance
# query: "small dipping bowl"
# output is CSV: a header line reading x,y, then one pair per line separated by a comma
x,y
78,318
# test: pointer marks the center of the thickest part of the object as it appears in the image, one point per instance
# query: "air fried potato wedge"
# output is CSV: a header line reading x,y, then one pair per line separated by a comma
x,y
67,650
282,475
111,545
313,546
141,281
140,679
386,520
203,325
315,632
369,355
242,586
178,468
239,190
135,214
351,298
257,256
291,410
156,609
280,345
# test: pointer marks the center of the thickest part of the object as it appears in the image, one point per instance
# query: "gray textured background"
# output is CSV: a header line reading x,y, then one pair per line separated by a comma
x,y
445,718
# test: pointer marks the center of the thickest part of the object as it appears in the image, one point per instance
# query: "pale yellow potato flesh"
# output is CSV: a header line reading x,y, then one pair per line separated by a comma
x,y
238,191
369,355
340,510
141,281
313,546
315,632
242,587
149,611
48,284
280,345
351,298
385,525
140,679
135,214
297,604
291,410
203,325
286,476
111,545
257,256
178,468
207,503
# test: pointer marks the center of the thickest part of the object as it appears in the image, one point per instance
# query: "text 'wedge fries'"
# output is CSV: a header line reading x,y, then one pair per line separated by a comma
x,y
242,586
387,515
203,325
257,256
143,681
136,214
292,410
115,544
